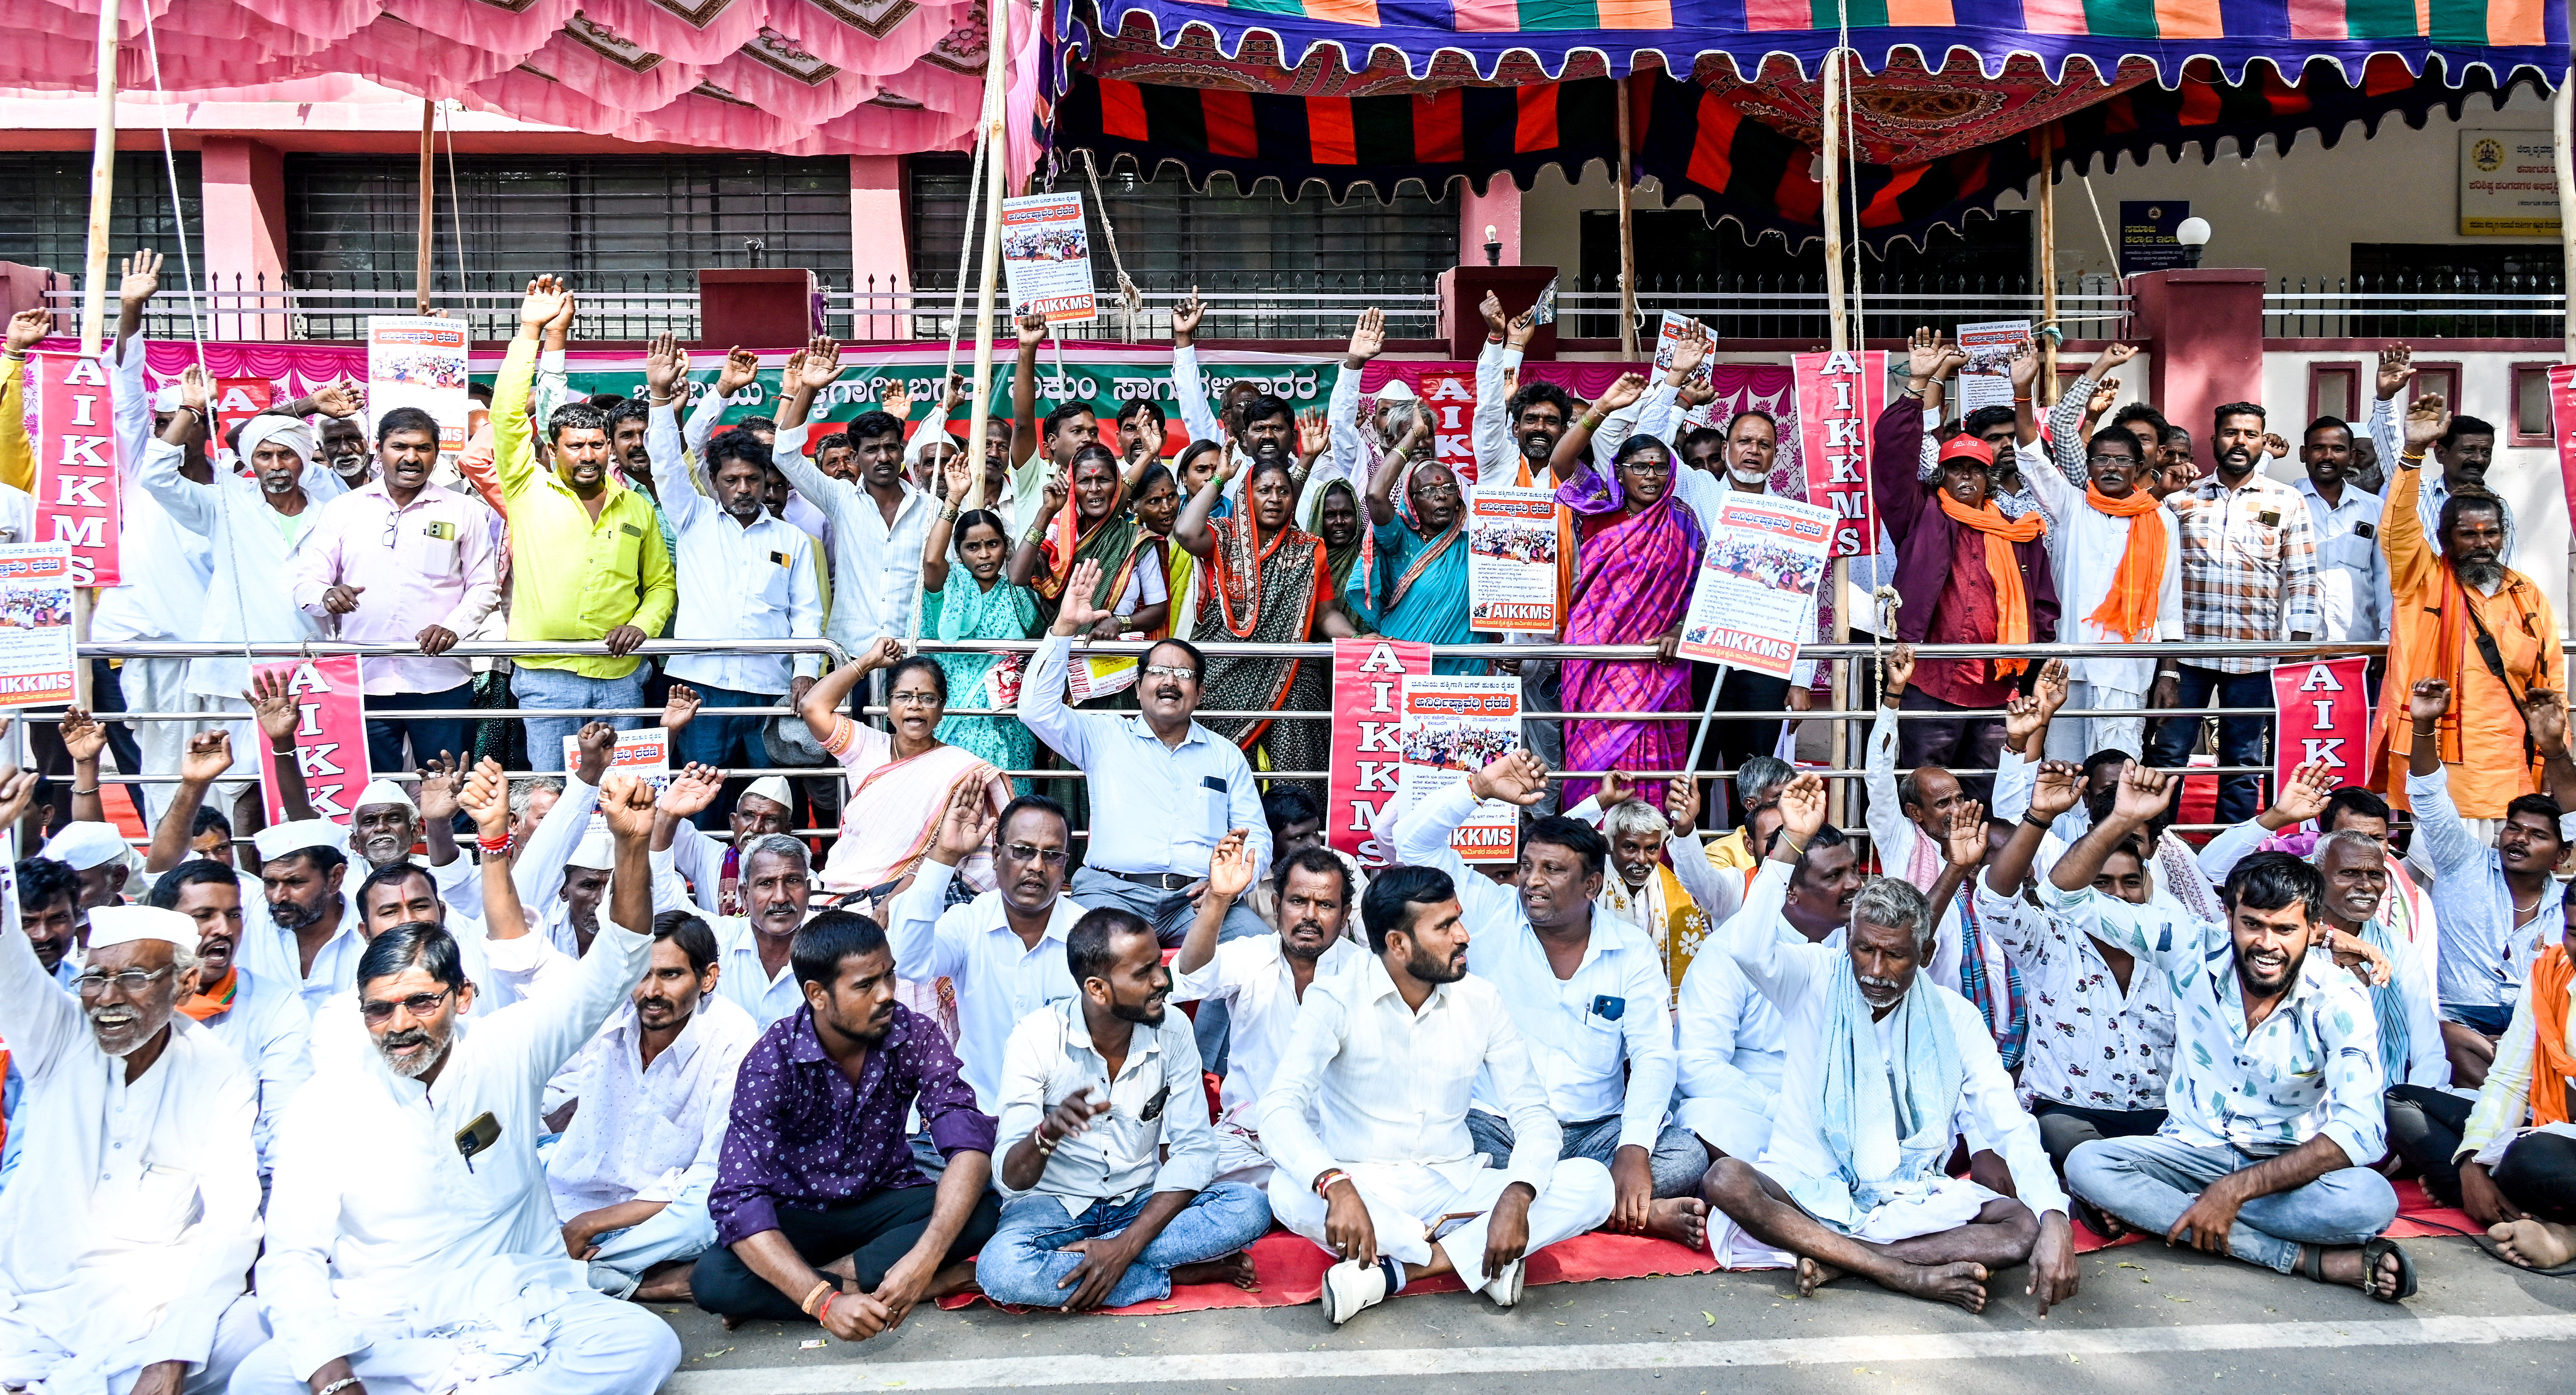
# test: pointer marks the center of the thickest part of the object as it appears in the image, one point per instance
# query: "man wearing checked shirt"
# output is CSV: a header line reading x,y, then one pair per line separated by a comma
x,y
587,561
2275,1114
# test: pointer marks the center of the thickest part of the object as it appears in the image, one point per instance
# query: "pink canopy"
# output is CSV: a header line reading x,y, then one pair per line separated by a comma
x,y
793,77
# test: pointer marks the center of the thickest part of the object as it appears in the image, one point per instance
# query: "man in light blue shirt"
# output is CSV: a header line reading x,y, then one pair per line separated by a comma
x,y
2274,1099
1163,788
1588,993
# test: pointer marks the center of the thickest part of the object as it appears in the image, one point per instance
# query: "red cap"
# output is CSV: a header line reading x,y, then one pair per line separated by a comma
x,y
1965,447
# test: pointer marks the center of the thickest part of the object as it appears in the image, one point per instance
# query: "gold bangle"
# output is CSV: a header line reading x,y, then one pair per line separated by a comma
x,y
2416,457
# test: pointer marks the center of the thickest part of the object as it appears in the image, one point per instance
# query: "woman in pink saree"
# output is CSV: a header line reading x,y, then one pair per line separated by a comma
x,y
1637,549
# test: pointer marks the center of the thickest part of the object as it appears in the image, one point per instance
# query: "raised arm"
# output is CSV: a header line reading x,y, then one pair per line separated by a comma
x,y
666,370
1422,840
209,755
1191,529
821,705
738,371
1575,446
1024,389
2414,566
486,800
272,702
806,376
1381,490
1028,554
514,456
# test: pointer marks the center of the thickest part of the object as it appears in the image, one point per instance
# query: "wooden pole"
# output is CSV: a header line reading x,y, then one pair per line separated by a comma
x,y
428,206
997,40
102,182
1627,238
2047,394
2560,108
1831,147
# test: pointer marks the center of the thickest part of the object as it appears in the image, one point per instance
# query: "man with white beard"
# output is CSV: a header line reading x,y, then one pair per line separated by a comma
x,y
412,1243
127,1227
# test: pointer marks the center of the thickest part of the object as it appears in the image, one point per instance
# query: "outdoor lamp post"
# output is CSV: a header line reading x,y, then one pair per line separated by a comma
x,y
2194,234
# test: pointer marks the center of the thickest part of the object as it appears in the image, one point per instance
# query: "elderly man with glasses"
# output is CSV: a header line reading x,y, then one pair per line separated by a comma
x,y
125,1232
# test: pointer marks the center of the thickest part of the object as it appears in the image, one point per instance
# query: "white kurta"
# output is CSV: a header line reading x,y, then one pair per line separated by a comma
x,y
134,1211
379,1229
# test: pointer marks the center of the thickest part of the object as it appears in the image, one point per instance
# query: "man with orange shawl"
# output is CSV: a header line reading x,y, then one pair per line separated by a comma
x,y
2518,1181
1966,575
2118,566
2463,616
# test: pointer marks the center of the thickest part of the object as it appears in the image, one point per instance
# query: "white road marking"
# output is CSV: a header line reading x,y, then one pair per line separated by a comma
x,y
1234,1368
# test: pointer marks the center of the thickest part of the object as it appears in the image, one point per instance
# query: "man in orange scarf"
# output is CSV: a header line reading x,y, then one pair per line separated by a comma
x,y
2522,1186
1967,575
264,1022
2118,564
2450,605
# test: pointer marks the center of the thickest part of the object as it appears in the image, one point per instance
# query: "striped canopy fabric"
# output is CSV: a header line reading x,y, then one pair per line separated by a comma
x,y
1700,140
2504,35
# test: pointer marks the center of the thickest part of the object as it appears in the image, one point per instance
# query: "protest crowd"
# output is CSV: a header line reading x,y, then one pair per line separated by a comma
x,y
1055,992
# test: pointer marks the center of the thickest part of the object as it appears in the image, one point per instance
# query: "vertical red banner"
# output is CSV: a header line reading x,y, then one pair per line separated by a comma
x,y
1839,397
1450,398
1368,706
2562,423
237,400
2323,710
330,736
76,482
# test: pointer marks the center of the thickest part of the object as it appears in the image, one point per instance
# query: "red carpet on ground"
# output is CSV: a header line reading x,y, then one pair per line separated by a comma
x,y
1291,1268
2419,1217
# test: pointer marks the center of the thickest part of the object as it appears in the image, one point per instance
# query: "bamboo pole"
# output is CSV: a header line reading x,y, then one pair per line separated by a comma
x,y
2560,108
1627,238
1831,148
996,153
102,182
428,214
2047,394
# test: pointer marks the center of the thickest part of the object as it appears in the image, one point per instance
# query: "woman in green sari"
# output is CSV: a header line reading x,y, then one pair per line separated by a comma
x,y
1266,580
983,606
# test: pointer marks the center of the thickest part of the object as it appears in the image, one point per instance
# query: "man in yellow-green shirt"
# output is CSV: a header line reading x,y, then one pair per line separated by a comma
x,y
586,557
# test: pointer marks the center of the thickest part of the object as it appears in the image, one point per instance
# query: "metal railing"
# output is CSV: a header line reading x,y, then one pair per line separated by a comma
x,y
2418,305
1847,726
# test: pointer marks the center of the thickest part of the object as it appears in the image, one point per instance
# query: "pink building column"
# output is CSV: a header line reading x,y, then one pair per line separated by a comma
x,y
2205,332
245,231
880,253
1499,208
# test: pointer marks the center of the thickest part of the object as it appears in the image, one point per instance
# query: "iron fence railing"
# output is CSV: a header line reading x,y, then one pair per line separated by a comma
x,y
1793,305
2417,305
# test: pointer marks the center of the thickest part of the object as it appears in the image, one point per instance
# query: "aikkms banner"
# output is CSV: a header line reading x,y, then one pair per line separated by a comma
x,y
1368,707
1840,395
76,482
330,736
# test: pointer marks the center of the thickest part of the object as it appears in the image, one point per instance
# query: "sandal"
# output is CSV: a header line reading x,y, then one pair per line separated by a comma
x,y
2099,1221
2314,1266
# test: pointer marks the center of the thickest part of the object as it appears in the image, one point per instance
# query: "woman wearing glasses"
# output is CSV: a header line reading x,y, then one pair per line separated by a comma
x,y
1637,549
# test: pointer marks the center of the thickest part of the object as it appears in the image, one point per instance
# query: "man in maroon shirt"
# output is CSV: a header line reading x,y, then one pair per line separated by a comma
x,y
1949,593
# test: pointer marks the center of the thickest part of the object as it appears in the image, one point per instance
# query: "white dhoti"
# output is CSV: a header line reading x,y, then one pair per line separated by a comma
x,y
503,1327
1727,1126
161,685
1939,1204
2077,737
30,1355
1239,1157
1412,1205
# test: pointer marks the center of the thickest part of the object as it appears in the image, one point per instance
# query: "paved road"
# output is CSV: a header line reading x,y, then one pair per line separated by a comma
x,y
2145,1314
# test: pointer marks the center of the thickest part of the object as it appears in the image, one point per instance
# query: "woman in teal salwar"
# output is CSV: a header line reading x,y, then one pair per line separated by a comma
x,y
986,606
1419,586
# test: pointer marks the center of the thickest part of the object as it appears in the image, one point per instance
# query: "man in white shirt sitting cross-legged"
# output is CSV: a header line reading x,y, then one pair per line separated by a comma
x,y
1386,1057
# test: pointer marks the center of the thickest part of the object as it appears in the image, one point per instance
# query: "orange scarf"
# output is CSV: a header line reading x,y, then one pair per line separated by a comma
x,y
2129,610
201,1006
2012,600
2552,1065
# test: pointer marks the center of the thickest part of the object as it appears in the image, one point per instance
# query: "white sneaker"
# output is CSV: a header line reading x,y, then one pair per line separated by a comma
x,y
1505,1288
1350,1288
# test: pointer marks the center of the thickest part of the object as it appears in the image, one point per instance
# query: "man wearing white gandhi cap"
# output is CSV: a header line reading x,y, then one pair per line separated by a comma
x,y
99,854
126,1231
309,939
255,530
713,869
385,823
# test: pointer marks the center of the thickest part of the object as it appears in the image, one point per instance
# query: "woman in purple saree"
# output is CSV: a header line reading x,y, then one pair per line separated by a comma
x,y
1637,553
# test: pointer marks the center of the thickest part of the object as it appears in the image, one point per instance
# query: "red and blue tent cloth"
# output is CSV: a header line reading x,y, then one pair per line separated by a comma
x,y
1724,101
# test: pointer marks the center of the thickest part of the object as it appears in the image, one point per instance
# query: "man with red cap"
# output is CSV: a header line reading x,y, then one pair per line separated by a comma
x,y
1965,574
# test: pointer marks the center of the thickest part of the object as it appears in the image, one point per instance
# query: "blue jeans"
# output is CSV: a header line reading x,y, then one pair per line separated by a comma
x,y
727,743
1025,1260
428,735
1170,913
1678,1159
2240,739
543,689
2150,1182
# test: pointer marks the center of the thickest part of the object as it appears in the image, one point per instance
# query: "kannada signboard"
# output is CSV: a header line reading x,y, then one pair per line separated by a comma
x,y
2508,184
2148,235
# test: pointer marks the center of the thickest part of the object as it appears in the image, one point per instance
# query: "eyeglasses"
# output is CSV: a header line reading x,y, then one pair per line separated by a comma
x,y
130,983
418,1005
1171,671
914,699
1436,491
2111,460
1031,852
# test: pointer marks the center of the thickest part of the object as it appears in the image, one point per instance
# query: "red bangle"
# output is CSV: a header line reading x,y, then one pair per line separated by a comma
x,y
826,1310
492,849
